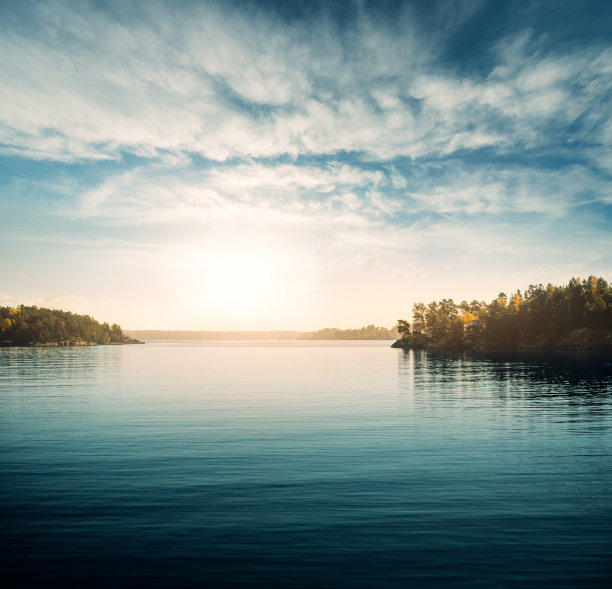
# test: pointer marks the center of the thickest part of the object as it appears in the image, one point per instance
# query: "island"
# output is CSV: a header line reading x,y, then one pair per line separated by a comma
x,y
577,316
369,332
33,326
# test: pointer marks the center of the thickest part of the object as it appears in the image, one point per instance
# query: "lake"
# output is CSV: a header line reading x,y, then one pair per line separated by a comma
x,y
303,464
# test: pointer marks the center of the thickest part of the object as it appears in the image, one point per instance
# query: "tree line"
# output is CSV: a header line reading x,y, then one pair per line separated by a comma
x,y
24,325
369,332
541,315
178,335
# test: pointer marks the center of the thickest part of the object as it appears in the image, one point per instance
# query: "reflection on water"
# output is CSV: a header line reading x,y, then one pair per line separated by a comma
x,y
563,374
309,464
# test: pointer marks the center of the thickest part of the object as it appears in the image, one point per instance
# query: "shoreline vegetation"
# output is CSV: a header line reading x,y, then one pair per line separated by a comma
x,y
190,335
574,317
369,332
39,327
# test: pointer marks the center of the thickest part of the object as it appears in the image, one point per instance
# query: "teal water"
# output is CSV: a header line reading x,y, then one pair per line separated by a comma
x,y
303,464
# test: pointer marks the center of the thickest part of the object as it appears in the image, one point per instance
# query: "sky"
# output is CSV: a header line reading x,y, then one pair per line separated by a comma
x,y
300,165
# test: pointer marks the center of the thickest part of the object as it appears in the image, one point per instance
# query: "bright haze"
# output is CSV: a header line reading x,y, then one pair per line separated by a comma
x,y
297,165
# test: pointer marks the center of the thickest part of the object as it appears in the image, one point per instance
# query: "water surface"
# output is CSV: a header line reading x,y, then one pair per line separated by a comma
x,y
302,464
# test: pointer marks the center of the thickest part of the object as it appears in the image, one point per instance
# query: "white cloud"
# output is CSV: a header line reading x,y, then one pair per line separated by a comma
x,y
254,192
494,189
256,201
79,84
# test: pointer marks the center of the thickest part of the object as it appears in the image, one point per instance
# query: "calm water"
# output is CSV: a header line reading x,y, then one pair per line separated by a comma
x,y
303,465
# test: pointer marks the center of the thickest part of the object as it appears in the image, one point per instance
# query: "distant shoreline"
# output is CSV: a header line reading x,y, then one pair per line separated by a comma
x,y
186,335
370,333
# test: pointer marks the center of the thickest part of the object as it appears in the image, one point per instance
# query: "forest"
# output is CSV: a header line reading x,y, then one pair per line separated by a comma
x,y
575,316
370,332
31,326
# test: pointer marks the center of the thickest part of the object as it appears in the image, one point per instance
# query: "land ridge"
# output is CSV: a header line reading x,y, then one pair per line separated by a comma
x,y
33,326
369,332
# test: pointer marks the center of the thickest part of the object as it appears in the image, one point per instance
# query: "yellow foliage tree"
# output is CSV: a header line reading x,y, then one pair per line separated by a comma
x,y
466,317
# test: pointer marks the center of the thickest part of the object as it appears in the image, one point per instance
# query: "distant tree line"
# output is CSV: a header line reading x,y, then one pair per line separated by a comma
x,y
542,315
177,335
33,326
369,332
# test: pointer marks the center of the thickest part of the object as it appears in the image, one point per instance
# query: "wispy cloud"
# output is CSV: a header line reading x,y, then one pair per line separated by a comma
x,y
202,79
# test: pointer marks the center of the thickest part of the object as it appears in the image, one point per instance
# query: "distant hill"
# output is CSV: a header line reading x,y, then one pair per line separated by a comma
x,y
177,335
369,332
31,326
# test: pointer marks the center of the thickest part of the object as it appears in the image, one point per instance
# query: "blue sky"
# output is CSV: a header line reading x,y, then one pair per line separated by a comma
x,y
270,165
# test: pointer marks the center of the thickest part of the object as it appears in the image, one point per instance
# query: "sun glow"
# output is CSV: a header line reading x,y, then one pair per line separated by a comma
x,y
243,278
251,287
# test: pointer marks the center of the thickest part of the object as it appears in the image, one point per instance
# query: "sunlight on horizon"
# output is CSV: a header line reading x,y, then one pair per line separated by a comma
x,y
238,284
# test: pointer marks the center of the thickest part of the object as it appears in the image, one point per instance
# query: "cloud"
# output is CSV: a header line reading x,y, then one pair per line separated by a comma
x,y
86,84
383,211
494,189
255,192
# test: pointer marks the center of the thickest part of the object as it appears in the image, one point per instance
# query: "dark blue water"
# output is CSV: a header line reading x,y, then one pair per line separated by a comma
x,y
303,465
